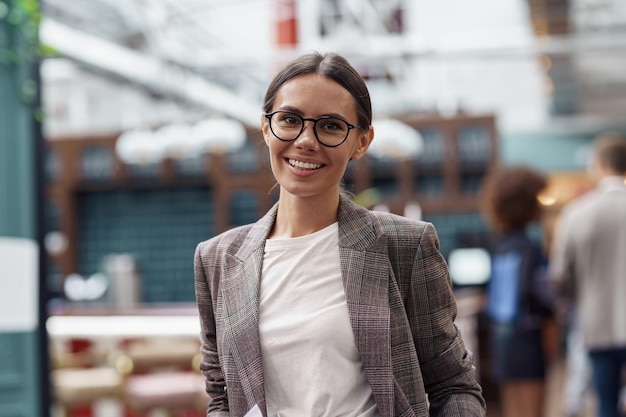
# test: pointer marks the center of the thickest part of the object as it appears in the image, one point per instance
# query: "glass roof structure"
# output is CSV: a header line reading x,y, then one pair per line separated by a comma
x,y
519,59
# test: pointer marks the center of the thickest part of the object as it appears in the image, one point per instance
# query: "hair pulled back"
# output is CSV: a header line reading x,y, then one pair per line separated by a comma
x,y
333,66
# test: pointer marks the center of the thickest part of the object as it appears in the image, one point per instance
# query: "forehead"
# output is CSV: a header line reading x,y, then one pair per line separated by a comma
x,y
315,94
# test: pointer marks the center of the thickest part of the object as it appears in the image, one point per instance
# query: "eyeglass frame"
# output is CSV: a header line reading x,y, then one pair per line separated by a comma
x,y
268,116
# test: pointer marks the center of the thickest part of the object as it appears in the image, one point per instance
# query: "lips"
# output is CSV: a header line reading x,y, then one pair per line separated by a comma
x,y
303,165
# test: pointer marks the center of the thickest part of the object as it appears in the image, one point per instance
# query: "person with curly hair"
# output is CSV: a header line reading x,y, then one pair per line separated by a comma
x,y
518,298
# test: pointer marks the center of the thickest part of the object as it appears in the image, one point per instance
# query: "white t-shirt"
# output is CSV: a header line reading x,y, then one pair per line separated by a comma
x,y
311,364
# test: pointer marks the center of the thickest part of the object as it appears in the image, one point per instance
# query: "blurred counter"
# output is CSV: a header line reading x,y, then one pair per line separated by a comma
x,y
145,358
181,320
102,323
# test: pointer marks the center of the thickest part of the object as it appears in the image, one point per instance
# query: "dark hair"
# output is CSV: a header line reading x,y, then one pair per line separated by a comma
x,y
509,197
610,148
330,65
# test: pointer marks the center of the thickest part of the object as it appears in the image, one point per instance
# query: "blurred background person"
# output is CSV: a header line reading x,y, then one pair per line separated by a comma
x,y
518,301
588,266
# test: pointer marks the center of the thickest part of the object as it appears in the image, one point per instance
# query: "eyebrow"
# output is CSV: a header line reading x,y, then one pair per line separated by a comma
x,y
297,111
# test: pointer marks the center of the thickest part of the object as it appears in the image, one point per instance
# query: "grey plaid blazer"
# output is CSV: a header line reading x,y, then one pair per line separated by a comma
x,y
401,308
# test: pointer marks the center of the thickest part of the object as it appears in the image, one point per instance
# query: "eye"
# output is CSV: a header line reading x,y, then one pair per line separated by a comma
x,y
332,124
289,118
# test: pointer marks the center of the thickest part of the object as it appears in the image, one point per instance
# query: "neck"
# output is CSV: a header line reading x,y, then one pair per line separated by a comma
x,y
299,216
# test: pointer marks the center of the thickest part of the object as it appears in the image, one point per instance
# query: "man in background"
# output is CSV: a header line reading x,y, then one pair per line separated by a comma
x,y
588,265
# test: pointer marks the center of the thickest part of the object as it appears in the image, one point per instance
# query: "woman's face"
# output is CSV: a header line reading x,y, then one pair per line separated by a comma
x,y
304,167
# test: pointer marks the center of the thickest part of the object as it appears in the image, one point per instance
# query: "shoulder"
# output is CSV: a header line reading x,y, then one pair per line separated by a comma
x,y
404,233
356,217
392,224
240,241
579,209
227,242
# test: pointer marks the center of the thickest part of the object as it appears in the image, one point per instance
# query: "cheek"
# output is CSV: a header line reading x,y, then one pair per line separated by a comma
x,y
274,147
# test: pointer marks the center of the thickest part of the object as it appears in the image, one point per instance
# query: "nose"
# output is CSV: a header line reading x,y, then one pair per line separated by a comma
x,y
307,137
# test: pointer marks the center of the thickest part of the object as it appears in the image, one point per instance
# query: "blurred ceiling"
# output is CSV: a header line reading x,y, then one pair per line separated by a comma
x,y
168,47
162,45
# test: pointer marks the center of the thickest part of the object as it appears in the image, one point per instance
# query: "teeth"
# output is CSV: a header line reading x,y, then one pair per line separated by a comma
x,y
304,165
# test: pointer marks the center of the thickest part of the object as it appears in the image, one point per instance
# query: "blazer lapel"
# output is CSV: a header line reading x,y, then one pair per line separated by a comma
x,y
365,269
240,291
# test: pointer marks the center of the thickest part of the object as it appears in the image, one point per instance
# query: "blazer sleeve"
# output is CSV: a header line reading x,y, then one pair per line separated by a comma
x,y
447,367
205,299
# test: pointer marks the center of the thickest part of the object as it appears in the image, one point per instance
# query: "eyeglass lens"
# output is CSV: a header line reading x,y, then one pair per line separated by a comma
x,y
329,131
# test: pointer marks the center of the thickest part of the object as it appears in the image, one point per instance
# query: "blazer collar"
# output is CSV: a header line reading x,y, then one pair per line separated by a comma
x,y
256,237
355,229
363,256
355,225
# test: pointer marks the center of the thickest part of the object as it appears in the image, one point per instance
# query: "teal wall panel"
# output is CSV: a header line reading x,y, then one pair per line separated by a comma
x,y
244,208
159,227
17,173
21,372
548,151
545,151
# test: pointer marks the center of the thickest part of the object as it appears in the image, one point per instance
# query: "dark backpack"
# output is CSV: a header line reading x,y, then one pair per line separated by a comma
x,y
518,290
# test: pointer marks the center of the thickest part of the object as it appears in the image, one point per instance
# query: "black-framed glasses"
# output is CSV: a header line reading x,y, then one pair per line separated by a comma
x,y
329,131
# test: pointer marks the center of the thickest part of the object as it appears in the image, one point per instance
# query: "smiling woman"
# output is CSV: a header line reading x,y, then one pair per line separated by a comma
x,y
321,307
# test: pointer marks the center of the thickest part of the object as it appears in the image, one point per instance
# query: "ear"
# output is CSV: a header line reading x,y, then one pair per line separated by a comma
x,y
265,128
365,139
